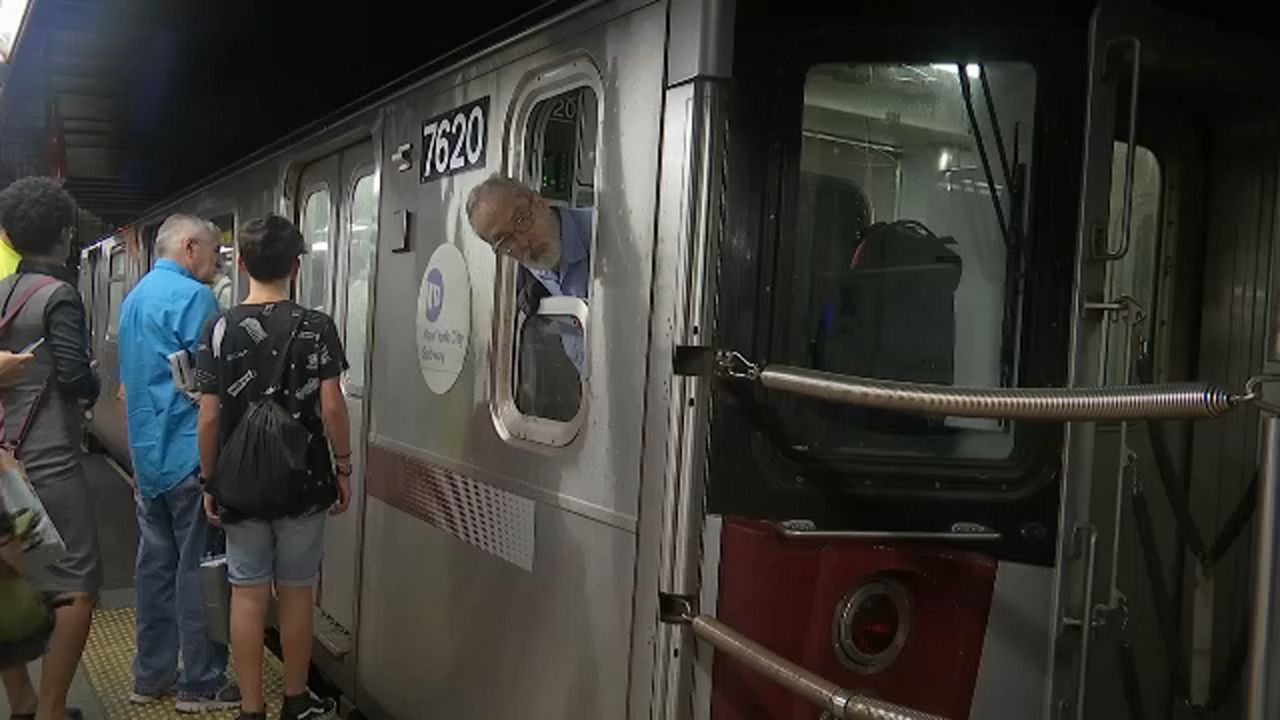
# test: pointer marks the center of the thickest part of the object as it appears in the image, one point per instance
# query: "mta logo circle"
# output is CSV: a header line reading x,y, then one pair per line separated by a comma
x,y
435,294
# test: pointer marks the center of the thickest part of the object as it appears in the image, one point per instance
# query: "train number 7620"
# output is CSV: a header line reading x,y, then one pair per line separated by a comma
x,y
455,141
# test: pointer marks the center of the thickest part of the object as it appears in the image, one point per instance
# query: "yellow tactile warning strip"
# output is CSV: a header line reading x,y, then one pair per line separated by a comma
x,y
109,658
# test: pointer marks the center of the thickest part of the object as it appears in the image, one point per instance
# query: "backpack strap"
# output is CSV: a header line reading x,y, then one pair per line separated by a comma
x,y
276,379
14,446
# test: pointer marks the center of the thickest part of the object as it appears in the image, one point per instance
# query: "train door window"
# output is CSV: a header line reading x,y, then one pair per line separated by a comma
x,y
149,234
115,288
314,277
562,157
360,249
545,378
908,203
89,287
1133,275
224,280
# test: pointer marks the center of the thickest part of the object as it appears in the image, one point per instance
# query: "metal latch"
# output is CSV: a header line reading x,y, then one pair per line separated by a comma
x,y
694,360
677,609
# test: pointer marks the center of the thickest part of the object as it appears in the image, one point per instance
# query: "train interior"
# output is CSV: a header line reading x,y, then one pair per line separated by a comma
x,y
906,253
1188,290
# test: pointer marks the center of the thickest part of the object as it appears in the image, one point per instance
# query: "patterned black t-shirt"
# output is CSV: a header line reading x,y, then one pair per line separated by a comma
x,y
229,363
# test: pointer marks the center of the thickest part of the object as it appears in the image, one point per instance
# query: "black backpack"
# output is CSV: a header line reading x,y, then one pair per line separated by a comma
x,y
263,464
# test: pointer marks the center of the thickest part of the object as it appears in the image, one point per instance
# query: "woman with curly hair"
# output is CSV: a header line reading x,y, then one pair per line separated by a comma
x,y
43,419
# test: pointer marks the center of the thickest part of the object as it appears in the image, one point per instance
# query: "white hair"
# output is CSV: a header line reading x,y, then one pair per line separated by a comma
x,y
494,184
179,227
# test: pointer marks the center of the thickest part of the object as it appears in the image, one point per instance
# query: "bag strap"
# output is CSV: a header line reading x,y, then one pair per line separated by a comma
x,y
277,373
35,287
15,446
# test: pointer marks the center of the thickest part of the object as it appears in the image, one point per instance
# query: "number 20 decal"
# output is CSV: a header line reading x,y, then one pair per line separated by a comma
x,y
455,141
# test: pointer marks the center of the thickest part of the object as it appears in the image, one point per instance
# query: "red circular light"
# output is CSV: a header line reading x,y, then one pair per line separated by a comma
x,y
875,624
871,625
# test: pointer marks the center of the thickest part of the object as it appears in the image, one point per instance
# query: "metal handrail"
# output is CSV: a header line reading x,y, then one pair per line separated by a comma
x,y
1106,253
842,704
1262,691
1134,402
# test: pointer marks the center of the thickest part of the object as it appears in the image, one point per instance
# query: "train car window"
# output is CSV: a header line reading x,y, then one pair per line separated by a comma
x,y
224,281
550,354
360,249
907,211
313,290
541,331
115,288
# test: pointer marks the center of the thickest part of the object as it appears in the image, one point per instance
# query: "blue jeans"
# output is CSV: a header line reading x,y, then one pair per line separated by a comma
x,y
172,532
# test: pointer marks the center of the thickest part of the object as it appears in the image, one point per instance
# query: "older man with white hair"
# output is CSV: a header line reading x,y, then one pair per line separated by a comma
x,y
160,322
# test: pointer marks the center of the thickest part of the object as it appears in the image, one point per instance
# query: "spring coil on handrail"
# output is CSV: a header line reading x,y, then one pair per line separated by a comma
x,y
1133,402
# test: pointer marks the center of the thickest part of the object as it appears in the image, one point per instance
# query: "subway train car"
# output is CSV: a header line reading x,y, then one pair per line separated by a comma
x,y
846,441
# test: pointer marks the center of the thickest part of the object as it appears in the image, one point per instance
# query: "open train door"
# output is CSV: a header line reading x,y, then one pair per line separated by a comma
x,y
900,206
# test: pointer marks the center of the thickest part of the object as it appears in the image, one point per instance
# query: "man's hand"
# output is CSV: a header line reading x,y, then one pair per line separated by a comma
x,y
211,510
344,496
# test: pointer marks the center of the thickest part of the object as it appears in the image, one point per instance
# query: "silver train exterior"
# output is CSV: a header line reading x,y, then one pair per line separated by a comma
x,y
518,540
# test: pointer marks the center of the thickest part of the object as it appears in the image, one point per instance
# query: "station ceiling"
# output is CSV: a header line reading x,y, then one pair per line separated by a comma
x,y
137,99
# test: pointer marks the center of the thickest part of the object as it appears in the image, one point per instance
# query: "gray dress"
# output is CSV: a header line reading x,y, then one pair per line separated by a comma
x,y
50,453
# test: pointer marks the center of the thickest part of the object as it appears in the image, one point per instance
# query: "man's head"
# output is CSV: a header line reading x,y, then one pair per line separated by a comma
x,y
191,242
516,221
38,216
269,248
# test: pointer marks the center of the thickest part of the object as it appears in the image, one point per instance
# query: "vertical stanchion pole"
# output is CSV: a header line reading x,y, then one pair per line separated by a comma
x,y
1262,694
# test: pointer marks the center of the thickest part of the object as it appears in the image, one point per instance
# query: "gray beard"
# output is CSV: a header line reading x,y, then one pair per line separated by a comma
x,y
549,260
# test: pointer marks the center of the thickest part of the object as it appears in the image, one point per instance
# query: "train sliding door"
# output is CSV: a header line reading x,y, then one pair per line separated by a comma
x,y
337,204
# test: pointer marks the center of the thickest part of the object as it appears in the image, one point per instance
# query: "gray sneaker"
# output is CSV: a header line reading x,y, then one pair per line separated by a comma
x,y
227,698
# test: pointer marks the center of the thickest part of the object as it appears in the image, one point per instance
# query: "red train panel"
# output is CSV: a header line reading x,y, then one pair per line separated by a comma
x,y
913,635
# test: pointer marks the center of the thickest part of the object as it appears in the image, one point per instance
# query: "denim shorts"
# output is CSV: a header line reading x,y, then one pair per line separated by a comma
x,y
287,551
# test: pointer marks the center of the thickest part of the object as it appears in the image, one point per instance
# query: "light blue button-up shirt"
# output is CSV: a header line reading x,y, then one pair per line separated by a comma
x,y
164,313
573,275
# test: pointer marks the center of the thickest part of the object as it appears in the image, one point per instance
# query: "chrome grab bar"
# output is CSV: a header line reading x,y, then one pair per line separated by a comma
x,y
1132,402
960,532
1106,253
840,703
1262,672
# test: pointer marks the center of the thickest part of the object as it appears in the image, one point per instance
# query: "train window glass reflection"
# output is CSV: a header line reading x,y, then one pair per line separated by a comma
x,y
115,288
360,249
550,354
224,281
562,148
551,313
895,266
313,286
